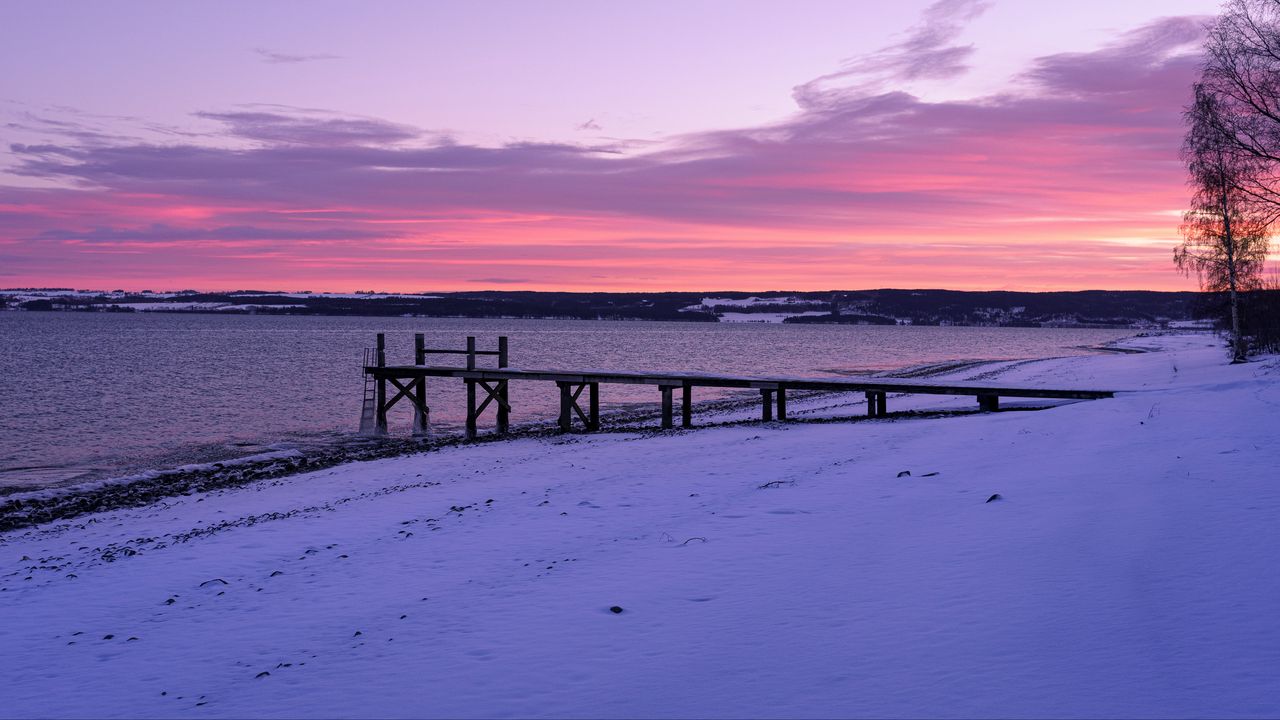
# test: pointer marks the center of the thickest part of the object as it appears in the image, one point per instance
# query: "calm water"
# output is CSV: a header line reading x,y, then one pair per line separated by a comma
x,y
95,395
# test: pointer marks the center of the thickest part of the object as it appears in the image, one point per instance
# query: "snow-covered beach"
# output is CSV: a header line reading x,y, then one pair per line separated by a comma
x,y
762,570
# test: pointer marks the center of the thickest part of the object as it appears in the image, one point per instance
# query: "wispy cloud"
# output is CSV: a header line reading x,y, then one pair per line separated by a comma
x,y
928,52
281,129
279,58
162,233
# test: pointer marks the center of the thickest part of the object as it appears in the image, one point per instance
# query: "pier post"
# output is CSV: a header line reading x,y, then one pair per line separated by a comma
x,y
420,387
988,403
594,390
686,406
766,408
877,405
471,389
667,420
504,414
566,407
782,403
380,417
471,409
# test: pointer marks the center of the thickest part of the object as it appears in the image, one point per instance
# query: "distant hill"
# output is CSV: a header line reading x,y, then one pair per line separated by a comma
x,y
1089,308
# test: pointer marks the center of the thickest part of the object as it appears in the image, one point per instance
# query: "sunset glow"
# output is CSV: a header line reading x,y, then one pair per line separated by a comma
x,y
1062,174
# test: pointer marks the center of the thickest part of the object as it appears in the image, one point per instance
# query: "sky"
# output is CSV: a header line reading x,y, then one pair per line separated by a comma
x,y
620,146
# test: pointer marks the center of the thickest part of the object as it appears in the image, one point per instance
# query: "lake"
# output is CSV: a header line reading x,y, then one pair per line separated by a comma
x,y
89,396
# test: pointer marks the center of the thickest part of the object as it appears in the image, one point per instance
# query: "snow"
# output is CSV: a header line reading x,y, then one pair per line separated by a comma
x,y
775,570
735,317
219,306
341,296
241,308
753,300
162,306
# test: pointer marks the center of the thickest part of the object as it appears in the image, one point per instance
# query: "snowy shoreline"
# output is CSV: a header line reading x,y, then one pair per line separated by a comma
x,y
763,570
24,507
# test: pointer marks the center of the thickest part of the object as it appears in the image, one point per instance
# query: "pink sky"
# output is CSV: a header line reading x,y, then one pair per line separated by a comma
x,y
594,146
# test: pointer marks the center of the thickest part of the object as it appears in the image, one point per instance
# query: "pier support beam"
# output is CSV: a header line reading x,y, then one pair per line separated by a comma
x,y
668,419
566,418
421,413
877,403
988,403
495,392
569,394
471,409
380,421
504,397
782,403
421,417
414,389
686,406
766,405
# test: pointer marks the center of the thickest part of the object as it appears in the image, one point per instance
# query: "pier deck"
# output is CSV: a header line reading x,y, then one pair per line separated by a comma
x,y
410,381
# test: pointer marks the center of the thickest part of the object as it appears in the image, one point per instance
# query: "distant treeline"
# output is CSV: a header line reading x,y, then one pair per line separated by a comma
x,y
880,307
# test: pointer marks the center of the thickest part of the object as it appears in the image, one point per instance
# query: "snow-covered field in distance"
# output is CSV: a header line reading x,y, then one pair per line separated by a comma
x,y
779,570
741,317
746,316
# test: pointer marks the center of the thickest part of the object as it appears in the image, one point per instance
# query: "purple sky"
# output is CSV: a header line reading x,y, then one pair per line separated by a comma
x,y
593,145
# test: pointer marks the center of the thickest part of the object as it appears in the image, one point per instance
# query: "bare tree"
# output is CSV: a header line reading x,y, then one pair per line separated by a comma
x,y
1226,229
1242,74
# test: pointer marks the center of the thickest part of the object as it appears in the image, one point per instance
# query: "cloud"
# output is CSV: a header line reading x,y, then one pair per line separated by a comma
x,y
279,58
279,129
1134,63
859,181
928,52
590,125
162,233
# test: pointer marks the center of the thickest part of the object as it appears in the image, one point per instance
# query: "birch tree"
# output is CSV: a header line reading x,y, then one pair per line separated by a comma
x,y
1225,230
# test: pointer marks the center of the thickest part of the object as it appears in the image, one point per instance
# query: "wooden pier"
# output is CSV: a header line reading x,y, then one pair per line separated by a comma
x,y
410,383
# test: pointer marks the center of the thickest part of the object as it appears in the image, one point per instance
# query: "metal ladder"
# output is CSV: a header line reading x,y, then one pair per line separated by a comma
x,y
368,411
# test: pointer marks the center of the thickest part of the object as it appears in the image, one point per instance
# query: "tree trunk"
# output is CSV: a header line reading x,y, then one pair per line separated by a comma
x,y
1237,340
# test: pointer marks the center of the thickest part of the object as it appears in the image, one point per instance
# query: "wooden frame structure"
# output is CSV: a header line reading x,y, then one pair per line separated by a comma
x,y
410,382
413,386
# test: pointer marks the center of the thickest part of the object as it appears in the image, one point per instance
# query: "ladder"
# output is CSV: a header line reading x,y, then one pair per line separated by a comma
x,y
368,411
